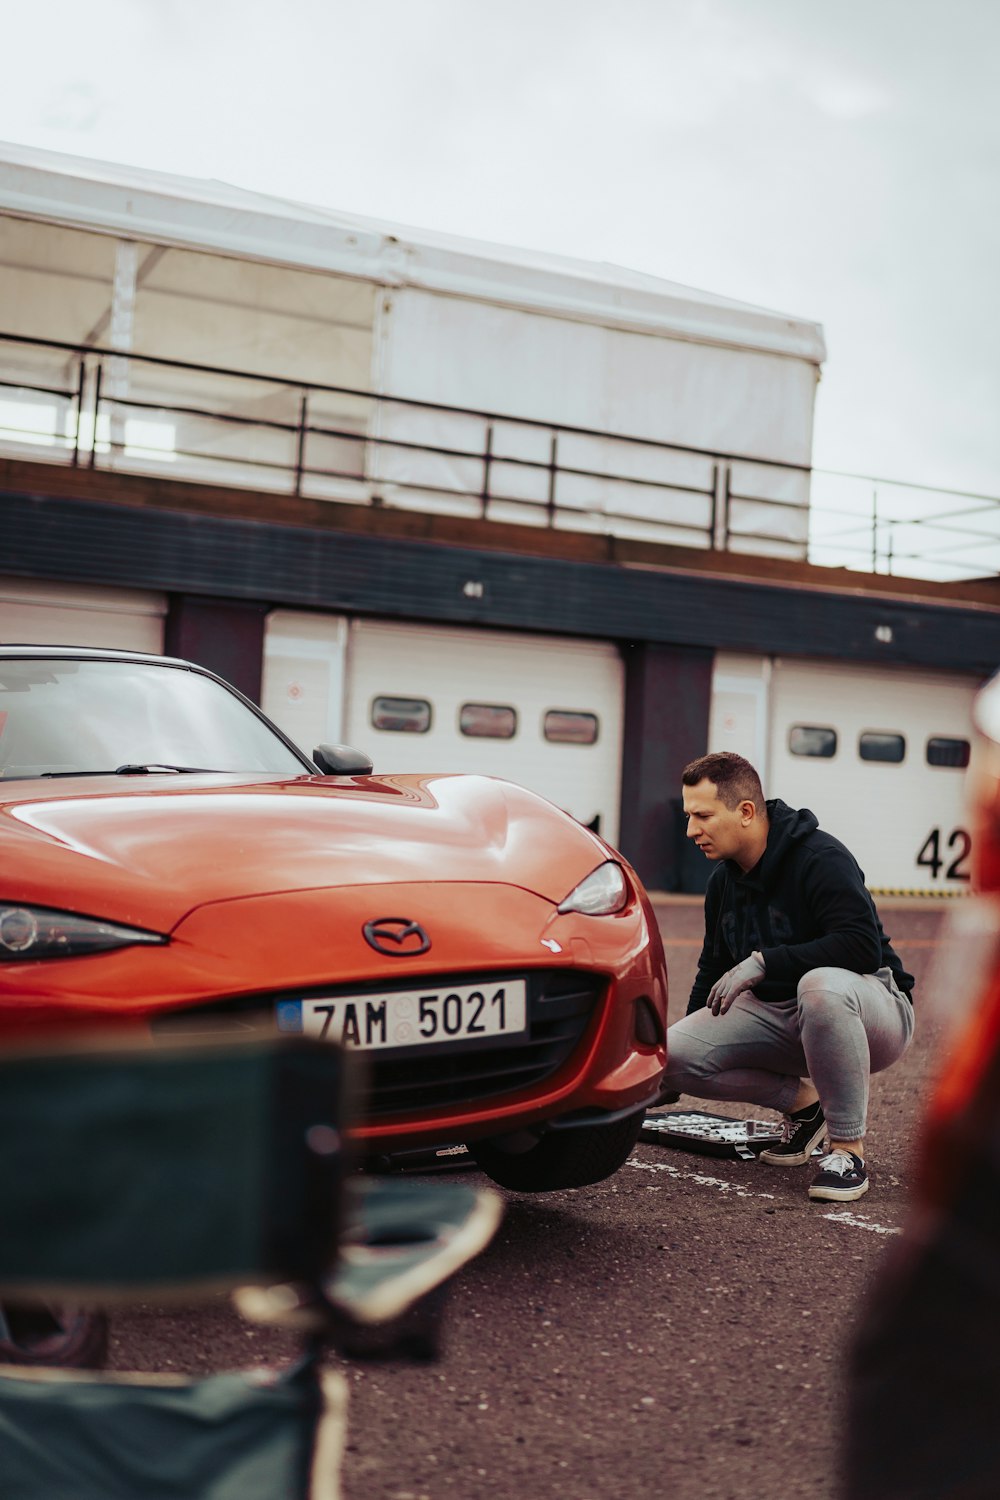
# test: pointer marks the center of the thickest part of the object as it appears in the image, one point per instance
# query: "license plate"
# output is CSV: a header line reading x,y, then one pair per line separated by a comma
x,y
410,1018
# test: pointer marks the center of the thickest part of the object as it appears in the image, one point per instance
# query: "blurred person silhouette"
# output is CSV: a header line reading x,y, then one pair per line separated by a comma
x,y
924,1363
923,1386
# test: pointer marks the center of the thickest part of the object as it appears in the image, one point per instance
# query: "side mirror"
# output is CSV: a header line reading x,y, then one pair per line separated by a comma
x,y
341,760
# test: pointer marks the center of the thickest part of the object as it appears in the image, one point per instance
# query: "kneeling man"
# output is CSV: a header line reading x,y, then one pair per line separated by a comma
x,y
799,996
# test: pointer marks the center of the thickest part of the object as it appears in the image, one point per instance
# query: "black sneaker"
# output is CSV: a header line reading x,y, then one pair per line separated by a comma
x,y
840,1179
803,1131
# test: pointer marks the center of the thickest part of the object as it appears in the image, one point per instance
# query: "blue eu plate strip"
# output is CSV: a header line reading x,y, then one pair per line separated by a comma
x,y
288,1015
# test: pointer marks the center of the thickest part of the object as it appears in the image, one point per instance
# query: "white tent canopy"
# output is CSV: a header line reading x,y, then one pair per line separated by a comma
x,y
187,211
668,412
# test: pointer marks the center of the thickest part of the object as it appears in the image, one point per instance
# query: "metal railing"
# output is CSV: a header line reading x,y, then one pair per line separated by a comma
x,y
902,527
100,408
138,413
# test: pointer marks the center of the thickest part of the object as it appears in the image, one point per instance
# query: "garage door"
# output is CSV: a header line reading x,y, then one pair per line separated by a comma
x,y
879,755
302,686
538,710
57,614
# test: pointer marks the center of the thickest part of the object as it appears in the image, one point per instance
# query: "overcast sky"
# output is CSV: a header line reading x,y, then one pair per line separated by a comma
x,y
833,159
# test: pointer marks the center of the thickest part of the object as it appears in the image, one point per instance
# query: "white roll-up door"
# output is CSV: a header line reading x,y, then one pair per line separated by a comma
x,y
739,716
539,710
302,687
64,614
876,753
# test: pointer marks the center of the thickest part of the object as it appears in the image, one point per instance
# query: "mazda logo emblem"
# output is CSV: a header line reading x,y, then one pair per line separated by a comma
x,y
397,936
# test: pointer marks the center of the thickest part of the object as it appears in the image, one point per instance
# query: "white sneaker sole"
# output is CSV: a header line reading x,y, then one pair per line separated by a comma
x,y
838,1195
797,1158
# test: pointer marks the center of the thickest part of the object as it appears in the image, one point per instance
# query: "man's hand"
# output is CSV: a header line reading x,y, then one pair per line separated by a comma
x,y
743,977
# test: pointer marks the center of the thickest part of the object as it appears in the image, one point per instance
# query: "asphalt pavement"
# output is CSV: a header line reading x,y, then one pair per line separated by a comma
x,y
678,1331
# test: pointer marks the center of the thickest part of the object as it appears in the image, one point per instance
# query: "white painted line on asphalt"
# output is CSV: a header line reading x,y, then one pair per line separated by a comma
x,y
844,1216
701,1177
837,1216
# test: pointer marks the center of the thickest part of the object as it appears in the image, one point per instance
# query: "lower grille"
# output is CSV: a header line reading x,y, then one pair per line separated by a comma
x,y
560,1003
559,1006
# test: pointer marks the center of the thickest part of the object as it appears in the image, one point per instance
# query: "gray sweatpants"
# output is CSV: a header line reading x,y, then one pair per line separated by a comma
x,y
838,1030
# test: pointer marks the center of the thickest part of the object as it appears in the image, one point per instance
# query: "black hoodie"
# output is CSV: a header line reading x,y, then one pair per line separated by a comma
x,y
803,906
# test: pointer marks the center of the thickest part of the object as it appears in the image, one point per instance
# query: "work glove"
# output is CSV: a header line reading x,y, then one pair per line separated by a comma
x,y
742,976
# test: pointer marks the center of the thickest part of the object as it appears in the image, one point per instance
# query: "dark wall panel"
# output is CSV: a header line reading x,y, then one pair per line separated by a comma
x,y
668,694
298,566
225,637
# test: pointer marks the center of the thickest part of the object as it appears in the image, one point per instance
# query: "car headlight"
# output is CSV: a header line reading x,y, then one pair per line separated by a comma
x,y
604,891
30,932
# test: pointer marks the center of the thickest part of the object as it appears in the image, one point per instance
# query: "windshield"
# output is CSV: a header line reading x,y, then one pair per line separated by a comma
x,y
62,717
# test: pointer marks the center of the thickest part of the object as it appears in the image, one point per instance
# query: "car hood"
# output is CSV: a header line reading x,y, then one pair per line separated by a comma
x,y
150,853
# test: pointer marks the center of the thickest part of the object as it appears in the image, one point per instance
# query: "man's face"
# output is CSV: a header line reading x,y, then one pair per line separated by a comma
x,y
719,831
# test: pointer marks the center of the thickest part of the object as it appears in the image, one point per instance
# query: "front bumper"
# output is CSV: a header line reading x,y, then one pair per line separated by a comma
x,y
597,986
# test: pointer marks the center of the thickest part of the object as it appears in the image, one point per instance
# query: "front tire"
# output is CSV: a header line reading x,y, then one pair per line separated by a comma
x,y
561,1158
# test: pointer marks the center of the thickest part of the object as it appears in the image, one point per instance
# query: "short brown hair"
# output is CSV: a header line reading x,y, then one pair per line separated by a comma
x,y
735,778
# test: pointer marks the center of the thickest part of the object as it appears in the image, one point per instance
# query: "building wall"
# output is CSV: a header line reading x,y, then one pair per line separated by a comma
x,y
220,576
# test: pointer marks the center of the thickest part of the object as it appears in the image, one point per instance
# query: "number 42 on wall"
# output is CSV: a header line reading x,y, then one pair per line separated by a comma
x,y
959,845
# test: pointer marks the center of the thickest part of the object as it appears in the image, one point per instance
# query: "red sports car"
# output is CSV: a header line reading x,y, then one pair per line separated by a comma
x,y
168,858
